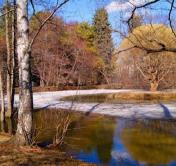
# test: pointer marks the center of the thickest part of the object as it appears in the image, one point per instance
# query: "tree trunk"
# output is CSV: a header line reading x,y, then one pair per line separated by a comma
x,y
3,126
2,97
9,83
42,83
154,86
14,55
24,127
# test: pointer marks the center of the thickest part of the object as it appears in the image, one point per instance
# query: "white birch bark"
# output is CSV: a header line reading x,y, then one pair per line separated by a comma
x,y
9,96
2,96
14,55
24,126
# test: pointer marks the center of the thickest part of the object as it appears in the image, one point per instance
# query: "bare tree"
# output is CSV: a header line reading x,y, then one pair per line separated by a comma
x,y
153,67
2,91
13,56
24,126
9,59
162,47
2,54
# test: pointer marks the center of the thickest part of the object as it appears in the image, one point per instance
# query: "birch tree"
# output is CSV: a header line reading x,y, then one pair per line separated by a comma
x,y
2,97
9,66
1,81
24,127
2,53
13,56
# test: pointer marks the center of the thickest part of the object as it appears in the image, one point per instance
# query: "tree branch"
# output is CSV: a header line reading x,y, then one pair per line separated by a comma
x,y
46,20
170,21
2,15
139,7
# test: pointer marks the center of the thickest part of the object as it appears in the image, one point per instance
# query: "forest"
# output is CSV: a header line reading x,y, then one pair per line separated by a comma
x,y
117,58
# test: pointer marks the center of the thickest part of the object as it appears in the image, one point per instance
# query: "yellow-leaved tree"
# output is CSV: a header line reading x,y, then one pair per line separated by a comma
x,y
153,67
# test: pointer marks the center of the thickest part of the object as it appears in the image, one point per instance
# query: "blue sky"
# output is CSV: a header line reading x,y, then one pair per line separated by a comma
x,y
79,10
118,10
84,10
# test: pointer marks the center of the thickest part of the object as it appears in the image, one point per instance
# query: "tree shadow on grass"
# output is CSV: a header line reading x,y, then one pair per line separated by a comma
x,y
92,109
50,105
166,111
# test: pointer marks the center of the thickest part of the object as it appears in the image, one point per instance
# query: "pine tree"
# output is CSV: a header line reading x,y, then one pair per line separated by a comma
x,y
102,39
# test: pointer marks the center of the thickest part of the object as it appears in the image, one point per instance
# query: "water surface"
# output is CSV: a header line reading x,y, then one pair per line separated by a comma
x,y
122,98
112,141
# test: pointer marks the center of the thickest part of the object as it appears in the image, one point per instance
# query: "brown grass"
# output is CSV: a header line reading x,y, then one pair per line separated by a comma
x,y
4,137
144,95
54,88
34,156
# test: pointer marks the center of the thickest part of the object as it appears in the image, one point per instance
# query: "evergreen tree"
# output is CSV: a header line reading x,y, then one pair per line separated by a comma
x,y
102,35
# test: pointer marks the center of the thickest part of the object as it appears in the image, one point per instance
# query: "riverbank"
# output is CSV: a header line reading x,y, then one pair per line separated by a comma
x,y
85,135
158,109
35,156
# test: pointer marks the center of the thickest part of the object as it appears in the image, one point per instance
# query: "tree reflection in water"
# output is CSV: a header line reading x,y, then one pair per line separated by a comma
x,y
123,142
151,141
110,141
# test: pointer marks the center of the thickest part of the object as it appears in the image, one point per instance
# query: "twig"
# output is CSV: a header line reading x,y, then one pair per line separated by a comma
x,y
45,21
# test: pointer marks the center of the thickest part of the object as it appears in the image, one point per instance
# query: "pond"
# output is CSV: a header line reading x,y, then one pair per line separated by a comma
x,y
108,140
112,141
122,98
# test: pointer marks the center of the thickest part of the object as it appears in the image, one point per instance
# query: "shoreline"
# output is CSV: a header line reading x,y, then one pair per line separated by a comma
x,y
52,100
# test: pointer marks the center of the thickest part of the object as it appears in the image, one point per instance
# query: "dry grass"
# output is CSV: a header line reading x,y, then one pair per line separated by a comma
x,y
4,137
12,155
55,88
144,95
131,96
27,156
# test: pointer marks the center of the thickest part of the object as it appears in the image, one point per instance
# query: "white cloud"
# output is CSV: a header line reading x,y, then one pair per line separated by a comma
x,y
119,6
139,2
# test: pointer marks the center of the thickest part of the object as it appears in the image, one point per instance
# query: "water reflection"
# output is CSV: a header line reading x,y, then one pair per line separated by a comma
x,y
91,136
119,98
124,142
109,141
151,142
